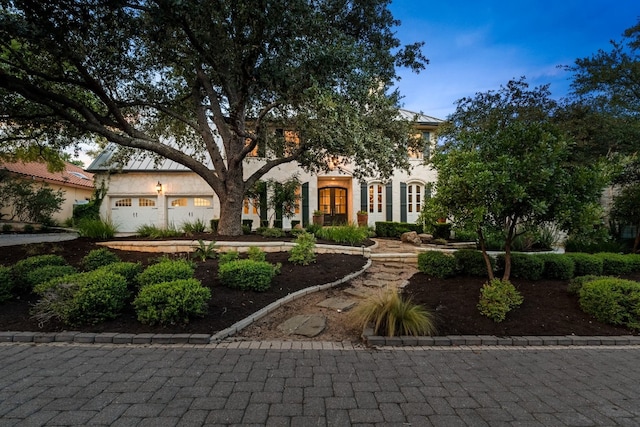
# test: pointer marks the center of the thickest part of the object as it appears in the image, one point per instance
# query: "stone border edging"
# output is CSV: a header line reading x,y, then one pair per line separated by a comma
x,y
491,340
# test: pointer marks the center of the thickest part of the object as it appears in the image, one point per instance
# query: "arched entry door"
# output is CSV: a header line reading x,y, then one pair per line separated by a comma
x,y
333,202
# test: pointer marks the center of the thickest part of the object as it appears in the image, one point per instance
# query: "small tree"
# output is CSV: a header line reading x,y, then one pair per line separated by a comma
x,y
29,202
504,165
282,197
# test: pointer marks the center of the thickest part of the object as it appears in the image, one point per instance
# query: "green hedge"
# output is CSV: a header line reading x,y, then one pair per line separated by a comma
x,y
616,264
523,266
437,264
6,284
395,229
246,274
471,262
172,302
585,264
165,271
557,266
611,300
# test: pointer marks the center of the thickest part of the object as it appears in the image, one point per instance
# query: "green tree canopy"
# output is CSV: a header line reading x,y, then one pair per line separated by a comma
x,y
504,164
202,81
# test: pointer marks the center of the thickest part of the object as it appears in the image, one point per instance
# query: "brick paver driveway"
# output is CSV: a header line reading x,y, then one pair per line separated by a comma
x,y
319,384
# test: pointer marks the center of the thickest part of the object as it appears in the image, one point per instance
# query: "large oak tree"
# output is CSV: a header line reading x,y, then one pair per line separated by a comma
x,y
206,83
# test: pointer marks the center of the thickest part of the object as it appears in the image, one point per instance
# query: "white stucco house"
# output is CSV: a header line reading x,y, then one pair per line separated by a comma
x,y
165,194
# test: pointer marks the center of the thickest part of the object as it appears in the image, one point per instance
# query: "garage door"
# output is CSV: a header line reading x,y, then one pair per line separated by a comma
x,y
189,209
129,213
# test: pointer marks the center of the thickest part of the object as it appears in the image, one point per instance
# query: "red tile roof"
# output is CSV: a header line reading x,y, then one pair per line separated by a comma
x,y
72,175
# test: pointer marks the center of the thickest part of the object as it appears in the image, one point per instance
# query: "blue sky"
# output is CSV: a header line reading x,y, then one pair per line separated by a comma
x,y
475,46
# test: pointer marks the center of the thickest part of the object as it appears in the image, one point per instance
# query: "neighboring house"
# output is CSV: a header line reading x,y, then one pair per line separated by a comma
x,y
76,184
144,192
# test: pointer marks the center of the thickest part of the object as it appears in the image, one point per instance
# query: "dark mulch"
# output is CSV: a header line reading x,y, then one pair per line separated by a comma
x,y
225,308
548,309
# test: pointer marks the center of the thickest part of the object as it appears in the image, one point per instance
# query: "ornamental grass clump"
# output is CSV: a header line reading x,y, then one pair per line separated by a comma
x,y
497,298
303,253
350,234
171,303
391,315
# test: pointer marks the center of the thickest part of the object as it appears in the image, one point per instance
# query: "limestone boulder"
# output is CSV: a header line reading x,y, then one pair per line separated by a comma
x,y
411,237
426,238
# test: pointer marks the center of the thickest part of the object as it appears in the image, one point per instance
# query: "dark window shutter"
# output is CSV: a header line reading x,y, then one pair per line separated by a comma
x,y
403,202
389,201
427,146
305,204
364,197
264,221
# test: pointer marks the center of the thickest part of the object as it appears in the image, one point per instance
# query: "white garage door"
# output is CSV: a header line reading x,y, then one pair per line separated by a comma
x,y
129,213
189,209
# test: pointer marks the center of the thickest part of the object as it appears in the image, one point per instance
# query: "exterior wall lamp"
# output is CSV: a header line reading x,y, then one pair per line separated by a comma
x,y
159,187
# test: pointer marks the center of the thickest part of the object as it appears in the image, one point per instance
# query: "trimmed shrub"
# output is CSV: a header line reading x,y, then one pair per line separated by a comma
x,y
46,273
226,257
497,298
437,264
256,254
98,258
523,266
614,301
21,268
557,266
6,284
171,303
578,282
615,264
634,261
165,271
391,315
585,264
128,270
271,232
471,262
303,252
246,274
82,298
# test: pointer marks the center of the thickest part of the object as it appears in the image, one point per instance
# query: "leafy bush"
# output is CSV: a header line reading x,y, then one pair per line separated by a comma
x,y
204,251
395,229
28,228
578,282
21,268
611,300
437,264
246,274
128,270
586,264
441,230
472,263
82,298
226,257
391,315
523,266
165,271
634,261
6,284
466,235
256,254
497,298
99,258
7,228
197,226
171,302
96,229
346,234
313,228
46,273
303,252
557,266
615,264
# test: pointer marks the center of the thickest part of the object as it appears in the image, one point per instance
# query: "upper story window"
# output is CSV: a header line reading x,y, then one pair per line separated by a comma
x,y
426,136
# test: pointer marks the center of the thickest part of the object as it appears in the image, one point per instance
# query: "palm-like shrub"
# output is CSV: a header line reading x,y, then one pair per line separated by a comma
x,y
391,315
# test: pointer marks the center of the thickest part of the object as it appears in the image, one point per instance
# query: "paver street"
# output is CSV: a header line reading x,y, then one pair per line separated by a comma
x,y
295,383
